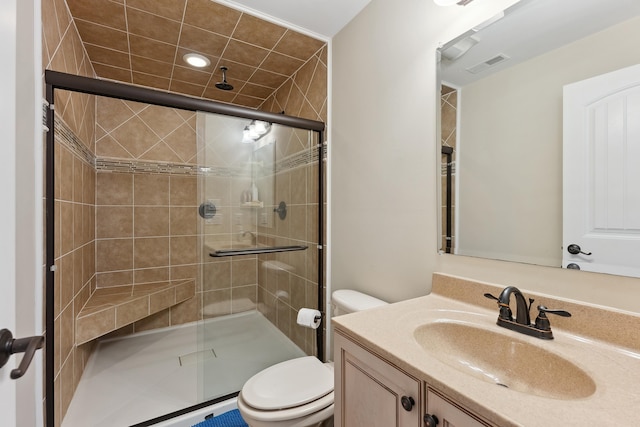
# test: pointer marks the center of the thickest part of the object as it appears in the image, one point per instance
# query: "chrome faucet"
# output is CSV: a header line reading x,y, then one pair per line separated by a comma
x,y
540,329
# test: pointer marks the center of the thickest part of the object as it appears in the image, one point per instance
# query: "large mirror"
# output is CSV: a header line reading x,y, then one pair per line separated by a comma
x,y
501,123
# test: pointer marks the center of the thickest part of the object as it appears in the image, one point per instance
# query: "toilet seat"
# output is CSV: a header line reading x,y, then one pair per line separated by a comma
x,y
322,404
288,390
288,384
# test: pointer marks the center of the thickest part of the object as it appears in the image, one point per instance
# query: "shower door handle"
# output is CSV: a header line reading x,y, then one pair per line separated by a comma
x,y
9,346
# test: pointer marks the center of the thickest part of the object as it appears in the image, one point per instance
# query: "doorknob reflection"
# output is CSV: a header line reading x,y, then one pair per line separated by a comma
x,y
575,250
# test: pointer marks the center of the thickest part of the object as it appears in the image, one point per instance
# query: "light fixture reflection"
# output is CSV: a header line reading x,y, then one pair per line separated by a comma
x,y
255,130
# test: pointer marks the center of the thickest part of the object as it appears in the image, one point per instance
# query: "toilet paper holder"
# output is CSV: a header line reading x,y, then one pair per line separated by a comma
x,y
309,318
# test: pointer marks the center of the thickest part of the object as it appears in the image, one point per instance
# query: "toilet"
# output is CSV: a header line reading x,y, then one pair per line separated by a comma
x,y
298,392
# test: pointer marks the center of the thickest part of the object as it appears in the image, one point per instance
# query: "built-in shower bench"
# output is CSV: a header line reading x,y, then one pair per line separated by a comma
x,y
111,308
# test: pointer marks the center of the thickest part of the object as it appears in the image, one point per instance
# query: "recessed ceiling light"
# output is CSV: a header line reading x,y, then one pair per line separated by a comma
x,y
196,60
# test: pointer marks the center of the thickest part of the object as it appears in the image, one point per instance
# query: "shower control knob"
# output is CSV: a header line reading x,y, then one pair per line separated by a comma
x,y
430,420
407,403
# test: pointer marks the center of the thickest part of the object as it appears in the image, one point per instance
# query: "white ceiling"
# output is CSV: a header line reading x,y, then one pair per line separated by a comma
x,y
533,27
324,18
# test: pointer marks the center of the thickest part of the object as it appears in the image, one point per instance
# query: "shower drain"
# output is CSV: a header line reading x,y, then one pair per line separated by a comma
x,y
196,356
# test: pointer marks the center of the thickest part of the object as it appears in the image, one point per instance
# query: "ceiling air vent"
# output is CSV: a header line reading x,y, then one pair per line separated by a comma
x,y
492,62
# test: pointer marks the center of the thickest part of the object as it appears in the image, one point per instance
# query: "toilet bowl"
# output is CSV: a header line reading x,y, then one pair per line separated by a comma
x,y
298,392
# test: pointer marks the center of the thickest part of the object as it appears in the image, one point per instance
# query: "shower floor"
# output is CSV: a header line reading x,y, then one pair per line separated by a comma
x,y
142,376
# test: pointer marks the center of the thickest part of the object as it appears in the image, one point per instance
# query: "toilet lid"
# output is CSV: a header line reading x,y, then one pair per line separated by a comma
x,y
291,383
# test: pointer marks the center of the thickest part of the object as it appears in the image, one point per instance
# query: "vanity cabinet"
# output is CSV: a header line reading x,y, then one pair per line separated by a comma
x,y
448,413
371,392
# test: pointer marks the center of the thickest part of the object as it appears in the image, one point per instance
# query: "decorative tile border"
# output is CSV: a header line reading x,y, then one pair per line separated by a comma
x,y
444,168
45,109
134,166
65,136
302,158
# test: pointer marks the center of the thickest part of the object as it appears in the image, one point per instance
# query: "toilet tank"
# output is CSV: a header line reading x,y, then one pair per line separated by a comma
x,y
348,301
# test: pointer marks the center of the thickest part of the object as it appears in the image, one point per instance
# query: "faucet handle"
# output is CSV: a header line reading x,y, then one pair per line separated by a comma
x,y
563,313
488,295
505,310
542,322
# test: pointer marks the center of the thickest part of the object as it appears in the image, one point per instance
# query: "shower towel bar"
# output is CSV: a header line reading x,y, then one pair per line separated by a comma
x,y
253,251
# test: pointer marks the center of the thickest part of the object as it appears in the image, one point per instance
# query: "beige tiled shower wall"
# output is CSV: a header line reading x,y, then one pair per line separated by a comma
x,y
277,284
74,199
304,95
133,131
74,279
155,238
282,292
448,123
146,233
146,216
288,281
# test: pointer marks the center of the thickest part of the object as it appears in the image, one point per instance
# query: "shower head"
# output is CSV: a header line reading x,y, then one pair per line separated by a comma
x,y
223,85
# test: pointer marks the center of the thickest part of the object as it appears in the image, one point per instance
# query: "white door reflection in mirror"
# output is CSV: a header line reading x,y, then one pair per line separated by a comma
x,y
601,170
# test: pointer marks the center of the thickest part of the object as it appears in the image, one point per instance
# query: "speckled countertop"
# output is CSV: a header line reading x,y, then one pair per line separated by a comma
x,y
601,343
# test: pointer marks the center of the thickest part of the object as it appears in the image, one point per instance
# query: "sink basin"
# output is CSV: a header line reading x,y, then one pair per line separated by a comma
x,y
506,361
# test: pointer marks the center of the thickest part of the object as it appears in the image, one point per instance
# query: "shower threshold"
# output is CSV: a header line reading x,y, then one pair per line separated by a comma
x,y
139,377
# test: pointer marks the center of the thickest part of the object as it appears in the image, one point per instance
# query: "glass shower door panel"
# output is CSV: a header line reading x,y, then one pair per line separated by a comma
x,y
250,302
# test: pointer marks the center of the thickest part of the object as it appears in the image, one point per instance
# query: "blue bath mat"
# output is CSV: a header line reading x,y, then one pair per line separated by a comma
x,y
227,419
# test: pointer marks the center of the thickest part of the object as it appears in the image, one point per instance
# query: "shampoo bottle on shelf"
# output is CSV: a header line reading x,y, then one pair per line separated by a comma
x,y
254,192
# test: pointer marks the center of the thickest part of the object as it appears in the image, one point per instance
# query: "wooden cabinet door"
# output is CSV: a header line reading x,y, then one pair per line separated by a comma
x,y
369,391
448,414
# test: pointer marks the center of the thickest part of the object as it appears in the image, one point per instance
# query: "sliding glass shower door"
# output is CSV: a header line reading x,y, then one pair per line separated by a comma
x,y
258,194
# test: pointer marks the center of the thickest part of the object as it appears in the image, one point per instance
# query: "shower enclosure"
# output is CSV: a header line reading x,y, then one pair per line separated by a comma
x,y
259,225
180,245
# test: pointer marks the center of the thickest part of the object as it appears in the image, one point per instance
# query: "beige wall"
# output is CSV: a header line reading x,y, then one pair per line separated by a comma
x,y
384,235
383,149
511,174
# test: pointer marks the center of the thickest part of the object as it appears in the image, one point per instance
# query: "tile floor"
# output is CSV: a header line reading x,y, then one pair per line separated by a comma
x,y
133,379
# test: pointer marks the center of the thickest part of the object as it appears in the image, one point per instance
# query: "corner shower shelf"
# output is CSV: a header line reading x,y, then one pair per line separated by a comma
x,y
111,308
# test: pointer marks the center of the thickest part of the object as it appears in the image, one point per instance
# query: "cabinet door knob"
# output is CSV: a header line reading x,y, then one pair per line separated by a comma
x,y
430,420
407,403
